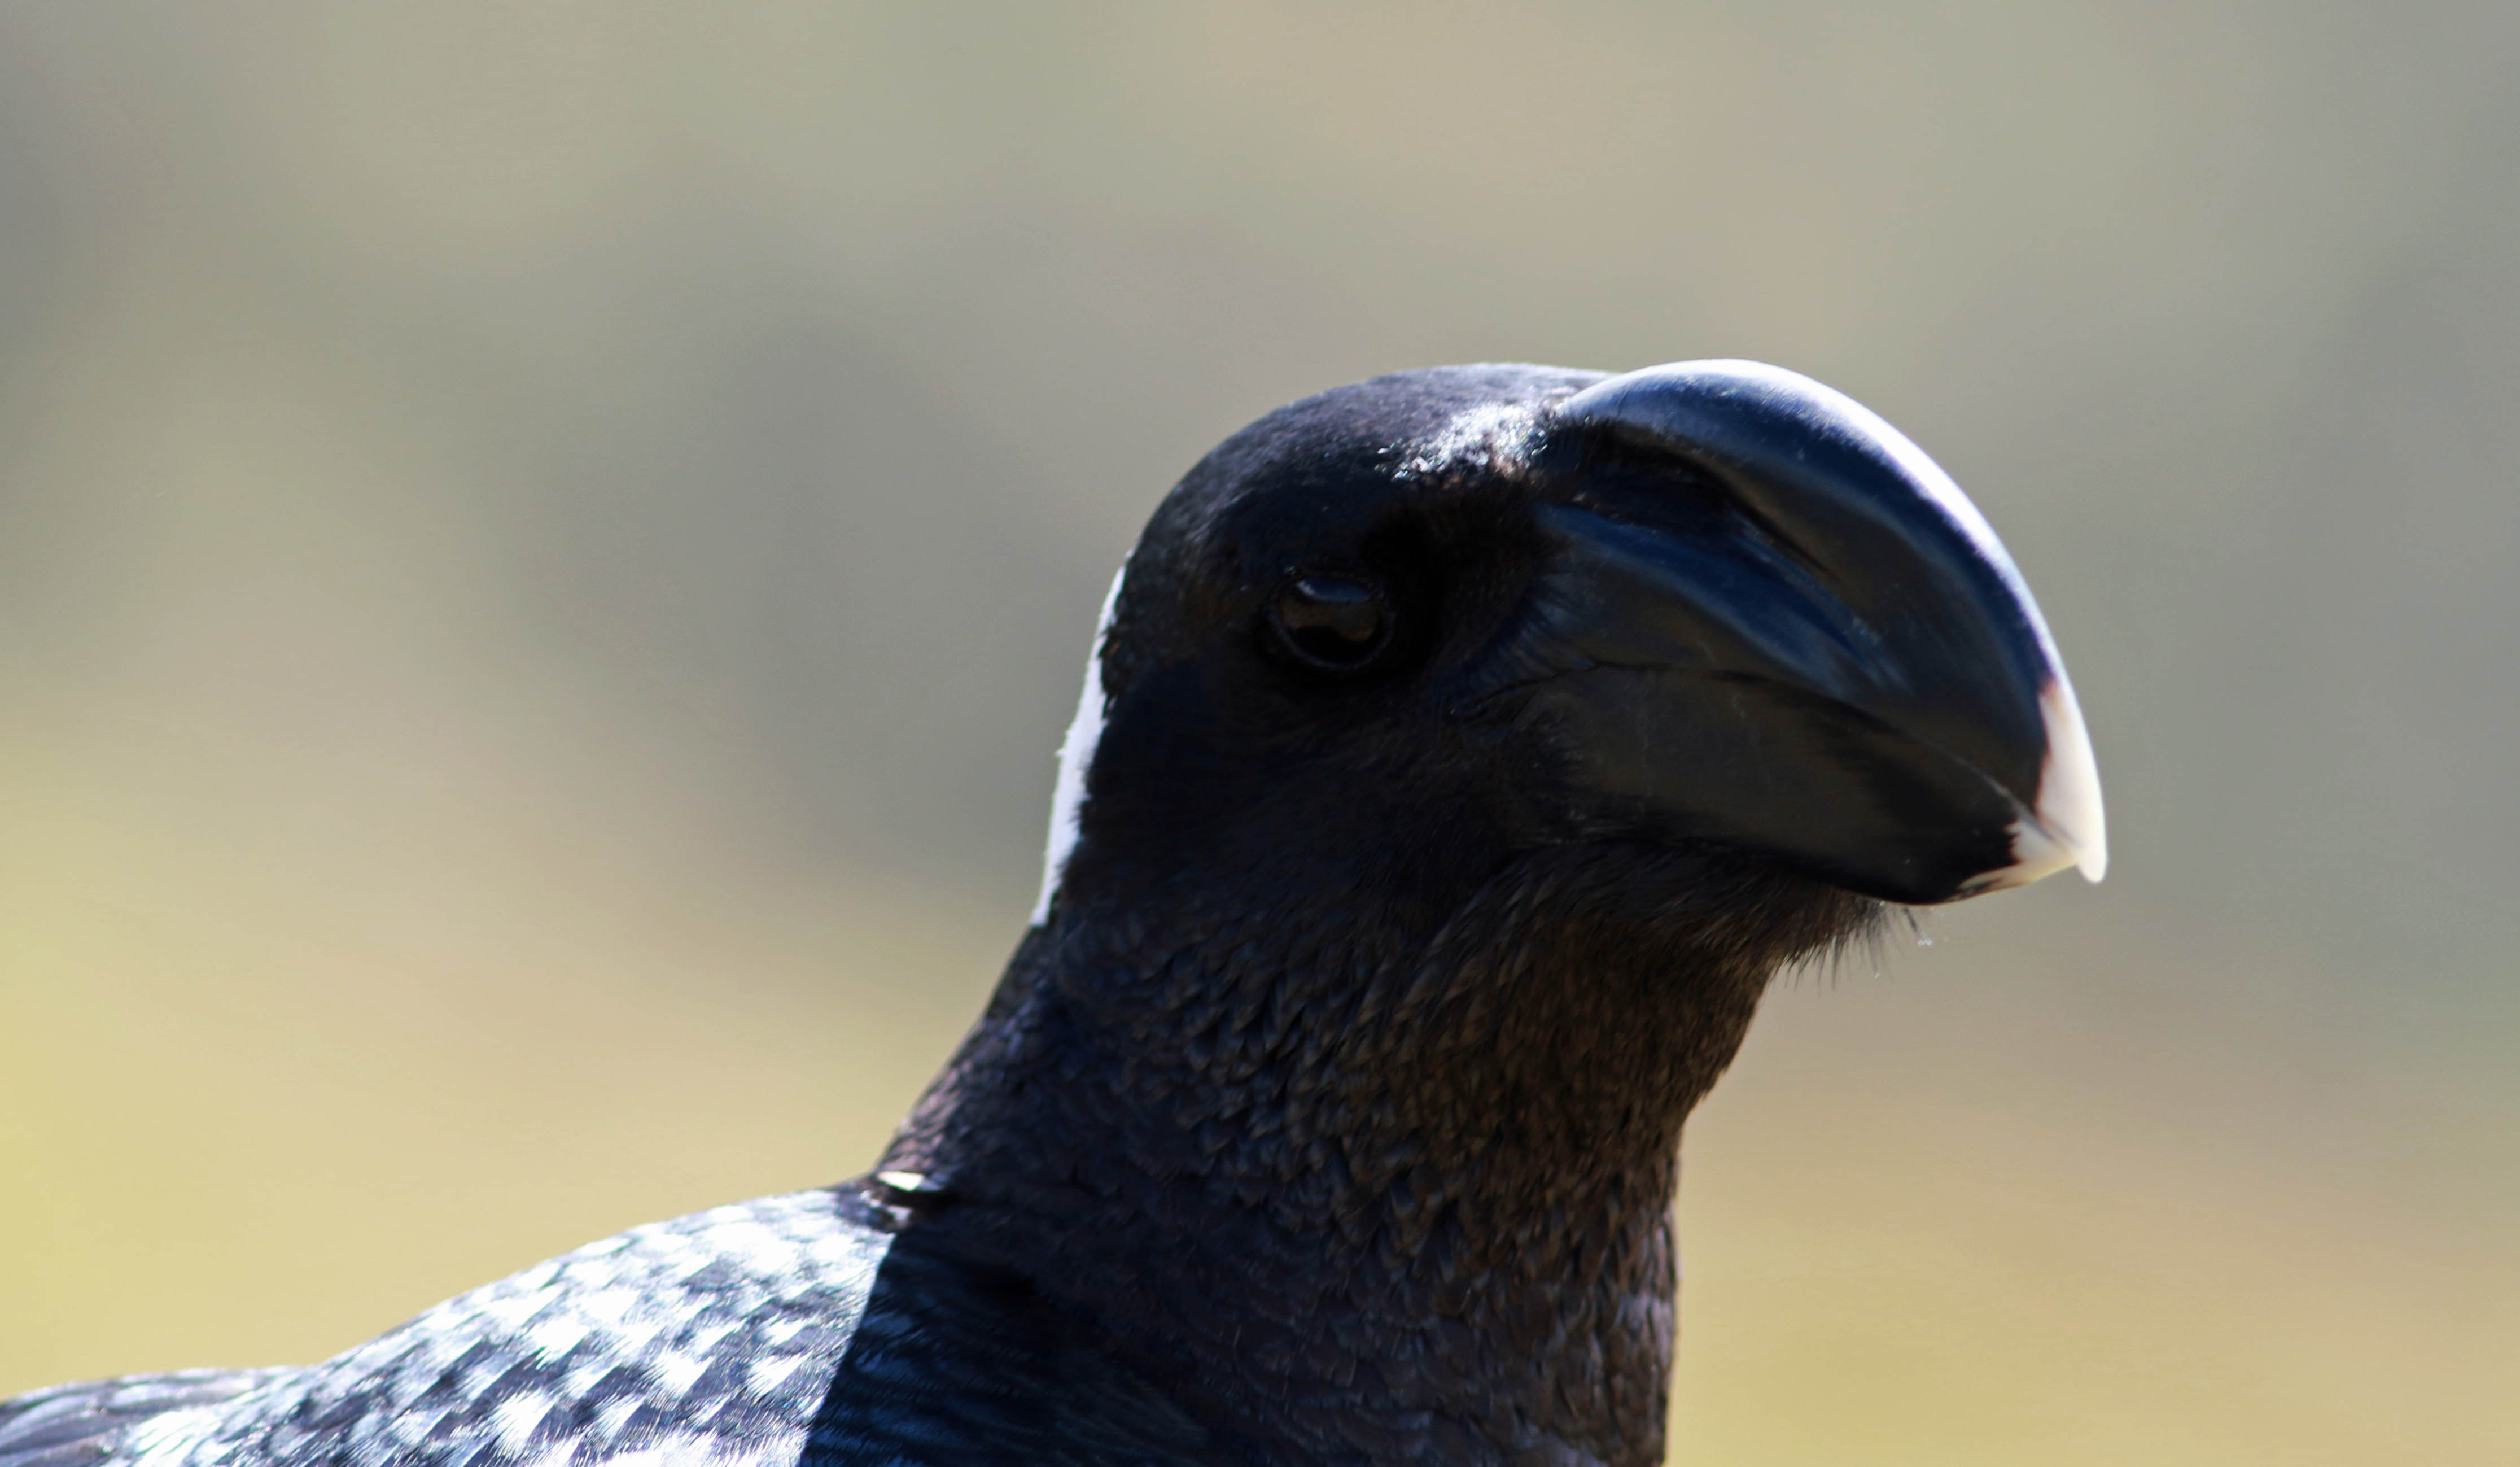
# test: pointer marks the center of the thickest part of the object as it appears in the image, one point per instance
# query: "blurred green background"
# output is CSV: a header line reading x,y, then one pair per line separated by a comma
x,y
545,551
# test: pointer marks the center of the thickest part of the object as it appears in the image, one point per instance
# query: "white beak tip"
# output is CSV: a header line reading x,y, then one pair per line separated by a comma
x,y
2069,786
2068,825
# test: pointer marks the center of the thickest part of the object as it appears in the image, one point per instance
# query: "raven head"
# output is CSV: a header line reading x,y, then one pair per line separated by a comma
x,y
1393,635
1463,753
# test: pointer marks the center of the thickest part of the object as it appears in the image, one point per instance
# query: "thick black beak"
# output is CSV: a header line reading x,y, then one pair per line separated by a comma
x,y
1768,621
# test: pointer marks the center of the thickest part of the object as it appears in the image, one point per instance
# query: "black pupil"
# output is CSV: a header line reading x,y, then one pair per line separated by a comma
x,y
1332,619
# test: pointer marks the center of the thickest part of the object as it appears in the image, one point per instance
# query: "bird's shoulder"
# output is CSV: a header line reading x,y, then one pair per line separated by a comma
x,y
968,1364
812,1329
710,1337
75,1425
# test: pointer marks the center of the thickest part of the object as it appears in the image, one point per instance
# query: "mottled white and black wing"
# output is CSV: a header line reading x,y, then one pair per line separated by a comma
x,y
709,1339
808,1329
82,1424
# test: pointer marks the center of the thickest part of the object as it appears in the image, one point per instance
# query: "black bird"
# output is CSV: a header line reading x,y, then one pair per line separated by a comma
x,y
1463,753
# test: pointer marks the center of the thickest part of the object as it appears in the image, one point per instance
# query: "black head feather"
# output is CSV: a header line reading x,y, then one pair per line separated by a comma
x,y
1347,1063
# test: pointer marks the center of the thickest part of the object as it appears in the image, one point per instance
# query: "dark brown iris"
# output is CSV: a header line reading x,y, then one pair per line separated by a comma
x,y
1335,623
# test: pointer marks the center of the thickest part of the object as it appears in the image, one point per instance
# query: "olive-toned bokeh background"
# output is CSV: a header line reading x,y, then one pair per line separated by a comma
x,y
545,550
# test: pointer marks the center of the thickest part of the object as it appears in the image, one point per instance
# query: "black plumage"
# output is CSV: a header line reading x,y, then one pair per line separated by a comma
x,y
1464,752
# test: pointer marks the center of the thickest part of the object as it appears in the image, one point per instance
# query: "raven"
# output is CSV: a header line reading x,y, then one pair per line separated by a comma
x,y
1461,753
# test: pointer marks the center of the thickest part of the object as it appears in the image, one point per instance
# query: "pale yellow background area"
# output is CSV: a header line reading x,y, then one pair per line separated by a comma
x,y
545,551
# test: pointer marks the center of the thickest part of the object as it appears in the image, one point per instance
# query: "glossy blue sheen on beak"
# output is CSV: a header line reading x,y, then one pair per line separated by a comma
x,y
1893,712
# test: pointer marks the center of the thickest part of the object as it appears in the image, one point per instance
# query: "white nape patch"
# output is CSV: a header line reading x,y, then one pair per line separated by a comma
x,y
1075,757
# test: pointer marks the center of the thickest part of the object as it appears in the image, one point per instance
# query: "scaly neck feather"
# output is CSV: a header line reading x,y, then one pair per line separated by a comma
x,y
1378,1188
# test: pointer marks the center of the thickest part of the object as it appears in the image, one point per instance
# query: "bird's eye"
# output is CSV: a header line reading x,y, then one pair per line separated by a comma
x,y
1331,623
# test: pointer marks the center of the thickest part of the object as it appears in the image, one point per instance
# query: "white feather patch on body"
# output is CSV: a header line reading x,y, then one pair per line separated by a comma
x,y
1075,757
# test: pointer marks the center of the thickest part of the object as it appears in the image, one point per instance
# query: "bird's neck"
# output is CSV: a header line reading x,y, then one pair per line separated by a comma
x,y
1413,1176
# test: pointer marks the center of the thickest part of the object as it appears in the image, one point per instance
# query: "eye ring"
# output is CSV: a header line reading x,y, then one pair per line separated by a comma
x,y
1332,622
